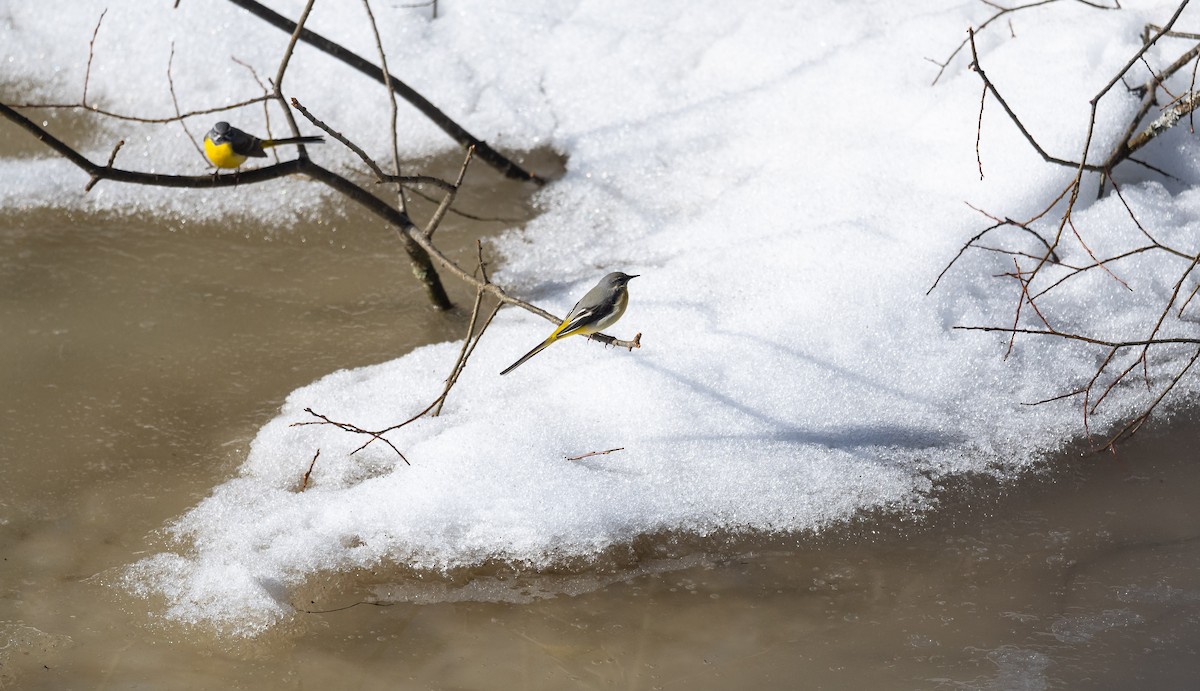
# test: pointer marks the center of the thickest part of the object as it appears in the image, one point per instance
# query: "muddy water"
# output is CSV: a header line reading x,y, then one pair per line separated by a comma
x,y
138,360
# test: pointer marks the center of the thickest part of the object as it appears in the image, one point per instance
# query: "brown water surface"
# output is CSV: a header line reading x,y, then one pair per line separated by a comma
x,y
138,360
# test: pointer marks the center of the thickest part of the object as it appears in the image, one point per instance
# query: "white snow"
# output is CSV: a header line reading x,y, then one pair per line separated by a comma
x,y
786,181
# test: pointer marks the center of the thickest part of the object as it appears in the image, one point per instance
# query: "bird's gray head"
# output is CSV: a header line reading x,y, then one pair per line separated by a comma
x,y
219,131
617,278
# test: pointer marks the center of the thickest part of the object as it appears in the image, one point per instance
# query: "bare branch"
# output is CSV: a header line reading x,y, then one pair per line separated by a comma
x,y
135,118
595,453
297,28
379,174
175,102
470,341
418,242
301,149
979,130
489,155
440,212
1071,222
266,101
1169,118
1134,425
308,473
348,427
391,93
1129,142
111,159
1002,11
990,87
87,74
1084,339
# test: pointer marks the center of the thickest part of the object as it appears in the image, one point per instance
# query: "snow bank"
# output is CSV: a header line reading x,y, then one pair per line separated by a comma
x,y
788,184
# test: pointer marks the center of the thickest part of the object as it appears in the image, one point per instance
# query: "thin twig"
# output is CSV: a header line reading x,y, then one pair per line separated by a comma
x,y
87,74
1112,385
485,152
1071,222
1081,337
112,157
175,102
297,29
1012,339
1188,300
1171,301
1003,11
1134,425
349,427
379,174
277,83
391,93
1075,271
358,150
1061,396
308,473
999,224
594,453
349,606
440,212
134,118
266,101
461,360
990,87
979,130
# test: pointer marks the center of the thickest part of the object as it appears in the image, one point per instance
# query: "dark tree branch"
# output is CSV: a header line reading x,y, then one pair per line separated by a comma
x,y
421,248
407,230
464,138
418,242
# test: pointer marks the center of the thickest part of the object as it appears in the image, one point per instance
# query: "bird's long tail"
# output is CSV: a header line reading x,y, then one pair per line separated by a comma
x,y
531,353
268,143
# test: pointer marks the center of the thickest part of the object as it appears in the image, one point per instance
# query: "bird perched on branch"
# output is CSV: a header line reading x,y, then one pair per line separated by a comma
x,y
228,147
599,309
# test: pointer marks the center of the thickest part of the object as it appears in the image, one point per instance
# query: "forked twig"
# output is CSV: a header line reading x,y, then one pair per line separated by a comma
x,y
112,157
355,429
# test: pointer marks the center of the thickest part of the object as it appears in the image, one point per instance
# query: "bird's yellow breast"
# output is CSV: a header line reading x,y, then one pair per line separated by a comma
x,y
222,155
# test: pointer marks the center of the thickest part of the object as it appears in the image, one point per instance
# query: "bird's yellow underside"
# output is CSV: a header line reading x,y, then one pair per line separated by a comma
x,y
223,155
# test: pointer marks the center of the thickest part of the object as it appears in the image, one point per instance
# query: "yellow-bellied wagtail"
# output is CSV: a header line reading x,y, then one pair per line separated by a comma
x,y
599,309
228,147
